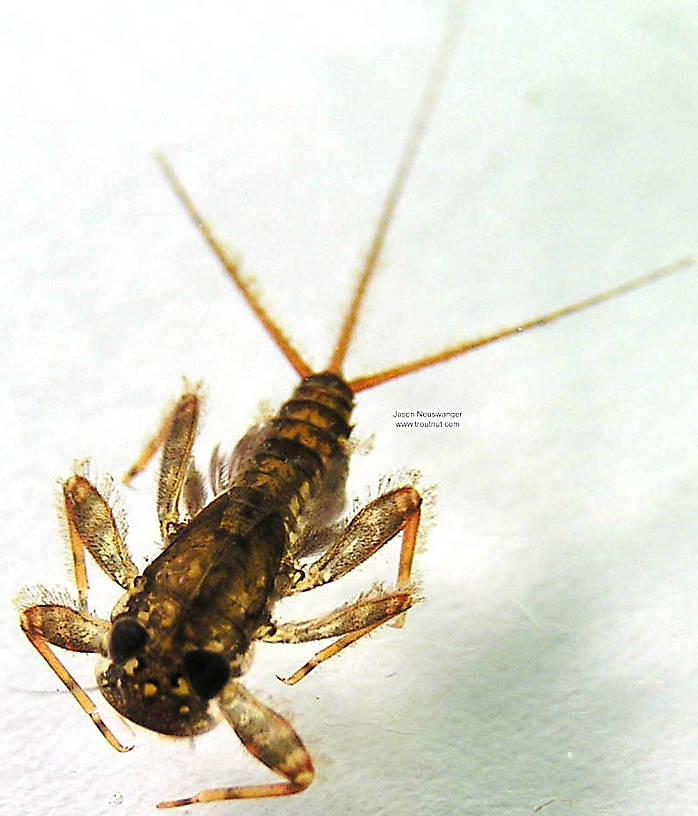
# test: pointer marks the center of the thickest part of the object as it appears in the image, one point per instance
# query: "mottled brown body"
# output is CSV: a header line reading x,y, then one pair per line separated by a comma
x,y
211,591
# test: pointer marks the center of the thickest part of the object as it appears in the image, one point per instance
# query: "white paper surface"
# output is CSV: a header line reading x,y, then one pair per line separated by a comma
x,y
553,657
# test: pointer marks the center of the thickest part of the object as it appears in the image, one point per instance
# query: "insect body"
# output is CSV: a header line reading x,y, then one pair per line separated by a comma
x,y
187,625
183,632
182,635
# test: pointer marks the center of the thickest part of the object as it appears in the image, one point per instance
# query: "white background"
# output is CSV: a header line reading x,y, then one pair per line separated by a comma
x,y
554,654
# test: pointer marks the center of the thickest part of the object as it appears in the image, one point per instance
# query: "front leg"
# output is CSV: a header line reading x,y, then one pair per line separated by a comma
x,y
270,738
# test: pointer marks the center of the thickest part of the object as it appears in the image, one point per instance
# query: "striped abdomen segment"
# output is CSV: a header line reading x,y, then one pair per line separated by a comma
x,y
302,448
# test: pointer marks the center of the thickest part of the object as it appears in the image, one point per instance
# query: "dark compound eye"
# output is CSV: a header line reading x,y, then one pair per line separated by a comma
x,y
207,671
126,639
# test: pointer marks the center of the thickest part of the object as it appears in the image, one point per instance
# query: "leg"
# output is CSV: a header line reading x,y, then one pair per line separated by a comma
x,y
151,447
267,736
77,631
368,531
353,622
176,461
176,437
92,527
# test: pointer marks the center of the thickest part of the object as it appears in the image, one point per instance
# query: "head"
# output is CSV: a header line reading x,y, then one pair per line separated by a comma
x,y
166,689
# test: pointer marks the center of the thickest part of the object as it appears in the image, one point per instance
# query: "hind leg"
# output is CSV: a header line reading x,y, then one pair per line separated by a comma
x,y
177,480
367,532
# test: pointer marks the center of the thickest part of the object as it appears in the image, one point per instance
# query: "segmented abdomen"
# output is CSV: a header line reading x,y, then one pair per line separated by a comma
x,y
300,456
217,575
